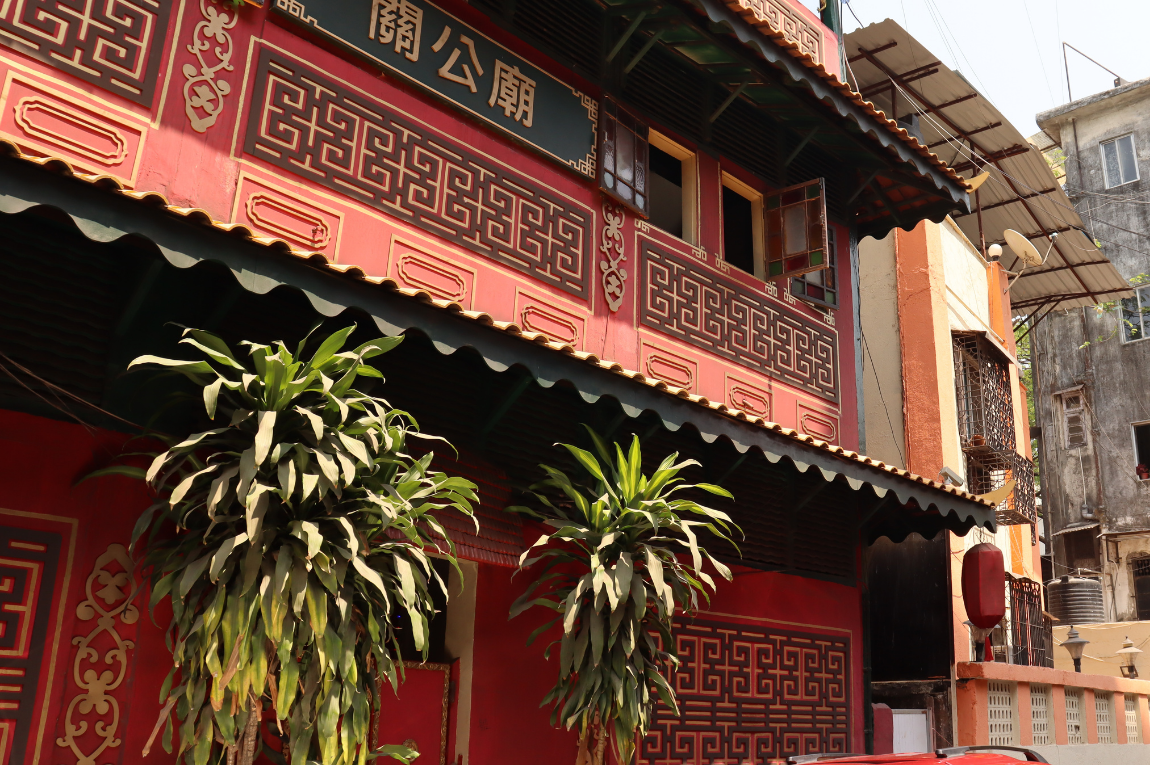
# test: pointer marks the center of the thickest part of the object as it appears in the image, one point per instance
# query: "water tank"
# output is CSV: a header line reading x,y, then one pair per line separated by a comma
x,y
1075,600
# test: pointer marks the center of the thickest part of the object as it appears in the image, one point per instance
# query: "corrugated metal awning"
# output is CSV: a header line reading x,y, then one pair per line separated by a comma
x,y
898,73
1079,527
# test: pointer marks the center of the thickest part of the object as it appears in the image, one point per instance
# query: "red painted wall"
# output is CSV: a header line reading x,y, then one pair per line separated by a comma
x,y
157,148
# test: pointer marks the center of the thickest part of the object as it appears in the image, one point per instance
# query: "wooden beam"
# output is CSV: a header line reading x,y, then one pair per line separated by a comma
x,y
729,100
626,36
798,149
643,51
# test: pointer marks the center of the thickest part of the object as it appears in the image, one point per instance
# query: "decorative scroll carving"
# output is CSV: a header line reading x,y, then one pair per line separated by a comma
x,y
750,693
95,706
303,122
785,21
724,317
28,569
203,93
115,44
270,213
614,276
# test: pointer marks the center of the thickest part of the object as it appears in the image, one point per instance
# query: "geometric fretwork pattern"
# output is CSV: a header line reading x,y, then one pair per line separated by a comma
x,y
749,694
116,44
724,317
28,568
307,124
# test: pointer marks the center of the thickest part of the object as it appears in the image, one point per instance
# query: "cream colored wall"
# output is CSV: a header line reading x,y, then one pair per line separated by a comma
x,y
964,289
882,358
459,644
1100,657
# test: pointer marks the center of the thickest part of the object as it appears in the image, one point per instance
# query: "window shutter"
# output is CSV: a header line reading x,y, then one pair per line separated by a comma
x,y
796,230
623,163
1075,430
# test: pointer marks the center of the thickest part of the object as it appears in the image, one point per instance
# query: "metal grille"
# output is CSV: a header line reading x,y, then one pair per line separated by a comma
x,y
1040,714
1103,718
1000,708
1140,566
985,408
1133,721
1030,634
1075,731
986,429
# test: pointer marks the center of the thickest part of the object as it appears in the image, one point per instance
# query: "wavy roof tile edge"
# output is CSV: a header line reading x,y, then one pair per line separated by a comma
x,y
202,217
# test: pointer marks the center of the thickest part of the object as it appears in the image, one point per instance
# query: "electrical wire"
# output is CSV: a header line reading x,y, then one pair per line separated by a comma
x,y
878,382
1038,51
961,150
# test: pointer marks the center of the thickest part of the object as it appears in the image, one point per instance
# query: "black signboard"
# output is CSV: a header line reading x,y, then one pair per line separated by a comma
x,y
452,60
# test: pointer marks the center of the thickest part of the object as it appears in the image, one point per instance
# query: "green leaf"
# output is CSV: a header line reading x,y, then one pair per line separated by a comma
x,y
263,443
222,553
211,397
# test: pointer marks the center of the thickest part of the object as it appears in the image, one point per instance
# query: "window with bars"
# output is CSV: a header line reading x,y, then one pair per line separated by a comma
x,y
1040,714
1000,708
1030,633
1133,721
982,388
986,427
1104,717
1075,730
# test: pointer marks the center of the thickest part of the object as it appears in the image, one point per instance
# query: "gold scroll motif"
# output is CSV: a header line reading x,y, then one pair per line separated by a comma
x,y
203,92
614,275
787,22
112,600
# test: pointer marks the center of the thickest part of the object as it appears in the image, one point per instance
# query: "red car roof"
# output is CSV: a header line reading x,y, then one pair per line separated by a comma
x,y
971,758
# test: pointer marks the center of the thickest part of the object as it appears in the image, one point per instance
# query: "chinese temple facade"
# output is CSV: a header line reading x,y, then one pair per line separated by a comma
x,y
642,216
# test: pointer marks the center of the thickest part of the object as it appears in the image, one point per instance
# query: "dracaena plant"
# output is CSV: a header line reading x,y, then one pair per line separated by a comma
x,y
622,559
286,539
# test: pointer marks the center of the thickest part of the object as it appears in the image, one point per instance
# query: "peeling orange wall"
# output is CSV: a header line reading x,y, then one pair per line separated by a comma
x,y
922,321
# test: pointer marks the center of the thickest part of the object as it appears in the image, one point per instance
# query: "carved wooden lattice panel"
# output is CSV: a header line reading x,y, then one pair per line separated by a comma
x,y
695,304
28,570
116,44
303,122
749,693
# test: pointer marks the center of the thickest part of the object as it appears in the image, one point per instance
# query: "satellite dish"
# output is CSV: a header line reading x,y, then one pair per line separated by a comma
x,y
1022,247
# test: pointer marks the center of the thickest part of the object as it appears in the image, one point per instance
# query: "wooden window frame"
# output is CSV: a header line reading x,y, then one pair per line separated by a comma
x,y
758,230
1067,413
810,191
690,162
613,118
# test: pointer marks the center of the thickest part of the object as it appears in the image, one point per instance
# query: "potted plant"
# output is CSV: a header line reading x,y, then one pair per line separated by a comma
x,y
285,539
621,558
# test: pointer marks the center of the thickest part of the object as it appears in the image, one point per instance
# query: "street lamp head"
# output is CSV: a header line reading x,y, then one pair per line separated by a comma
x,y
1074,645
1129,655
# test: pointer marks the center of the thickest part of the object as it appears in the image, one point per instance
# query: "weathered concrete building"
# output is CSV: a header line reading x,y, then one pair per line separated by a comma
x,y
1092,398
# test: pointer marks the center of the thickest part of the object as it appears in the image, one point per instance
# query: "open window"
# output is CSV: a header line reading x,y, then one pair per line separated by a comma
x,y
1140,568
742,226
672,187
821,286
1142,449
796,223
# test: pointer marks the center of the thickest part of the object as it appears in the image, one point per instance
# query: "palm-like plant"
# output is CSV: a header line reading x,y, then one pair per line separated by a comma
x,y
613,572
286,540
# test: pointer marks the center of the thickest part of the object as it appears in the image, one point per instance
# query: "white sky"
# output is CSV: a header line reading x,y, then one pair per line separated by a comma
x,y
1011,50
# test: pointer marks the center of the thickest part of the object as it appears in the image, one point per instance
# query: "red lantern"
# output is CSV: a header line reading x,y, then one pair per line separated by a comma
x,y
984,585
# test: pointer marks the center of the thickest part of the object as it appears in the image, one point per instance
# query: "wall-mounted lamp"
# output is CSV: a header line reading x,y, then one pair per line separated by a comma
x,y
1074,645
1129,656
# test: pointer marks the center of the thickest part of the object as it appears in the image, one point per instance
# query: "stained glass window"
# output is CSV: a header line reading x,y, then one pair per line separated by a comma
x,y
623,164
796,230
820,286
